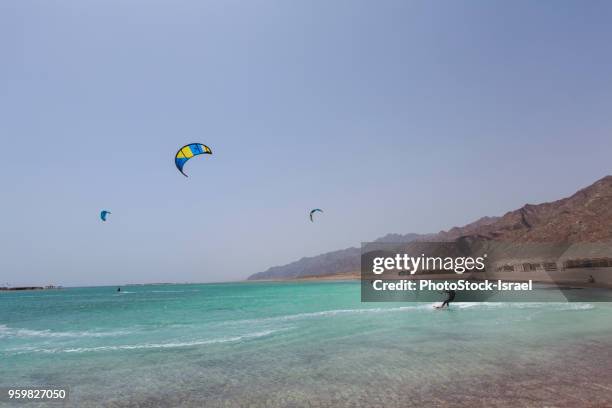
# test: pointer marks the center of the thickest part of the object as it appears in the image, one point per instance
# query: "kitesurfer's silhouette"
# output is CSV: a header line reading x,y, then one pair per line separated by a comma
x,y
450,296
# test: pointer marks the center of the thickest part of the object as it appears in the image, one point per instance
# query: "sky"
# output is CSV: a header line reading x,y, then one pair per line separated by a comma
x,y
391,116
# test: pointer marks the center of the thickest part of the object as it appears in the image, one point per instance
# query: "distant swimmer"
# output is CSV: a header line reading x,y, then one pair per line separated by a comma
x,y
450,296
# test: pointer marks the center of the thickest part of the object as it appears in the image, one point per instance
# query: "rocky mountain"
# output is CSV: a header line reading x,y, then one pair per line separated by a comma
x,y
330,263
586,216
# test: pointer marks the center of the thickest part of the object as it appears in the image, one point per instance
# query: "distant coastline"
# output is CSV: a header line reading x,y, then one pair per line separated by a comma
x,y
577,278
308,278
4,288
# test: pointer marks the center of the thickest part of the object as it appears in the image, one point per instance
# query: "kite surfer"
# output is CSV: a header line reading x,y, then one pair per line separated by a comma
x,y
450,296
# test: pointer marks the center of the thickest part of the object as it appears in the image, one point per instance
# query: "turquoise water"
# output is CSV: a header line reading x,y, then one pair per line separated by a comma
x,y
278,344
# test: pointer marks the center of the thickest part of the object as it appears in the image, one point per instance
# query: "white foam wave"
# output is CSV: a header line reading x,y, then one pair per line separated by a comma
x,y
6,331
173,291
336,312
145,346
525,305
425,307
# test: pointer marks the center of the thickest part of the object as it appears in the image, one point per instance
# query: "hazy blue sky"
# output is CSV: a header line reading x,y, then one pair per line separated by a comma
x,y
392,116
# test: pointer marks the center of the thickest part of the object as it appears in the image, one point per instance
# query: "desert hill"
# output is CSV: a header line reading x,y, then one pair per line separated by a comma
x,y
586,216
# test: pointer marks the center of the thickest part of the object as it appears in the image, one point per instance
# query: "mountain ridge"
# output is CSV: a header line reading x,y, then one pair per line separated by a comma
x,y
585,216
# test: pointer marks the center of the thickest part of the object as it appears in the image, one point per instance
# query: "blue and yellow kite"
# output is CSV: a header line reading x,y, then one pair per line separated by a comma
x,y
187,152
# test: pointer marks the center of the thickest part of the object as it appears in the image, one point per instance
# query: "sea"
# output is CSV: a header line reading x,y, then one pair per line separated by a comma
x,y
299,344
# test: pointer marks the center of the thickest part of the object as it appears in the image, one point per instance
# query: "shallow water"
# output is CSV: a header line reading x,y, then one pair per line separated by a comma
x,y
293,344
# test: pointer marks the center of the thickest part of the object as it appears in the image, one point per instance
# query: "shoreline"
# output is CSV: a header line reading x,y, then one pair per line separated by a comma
x,y
569,283
578,280
18,288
